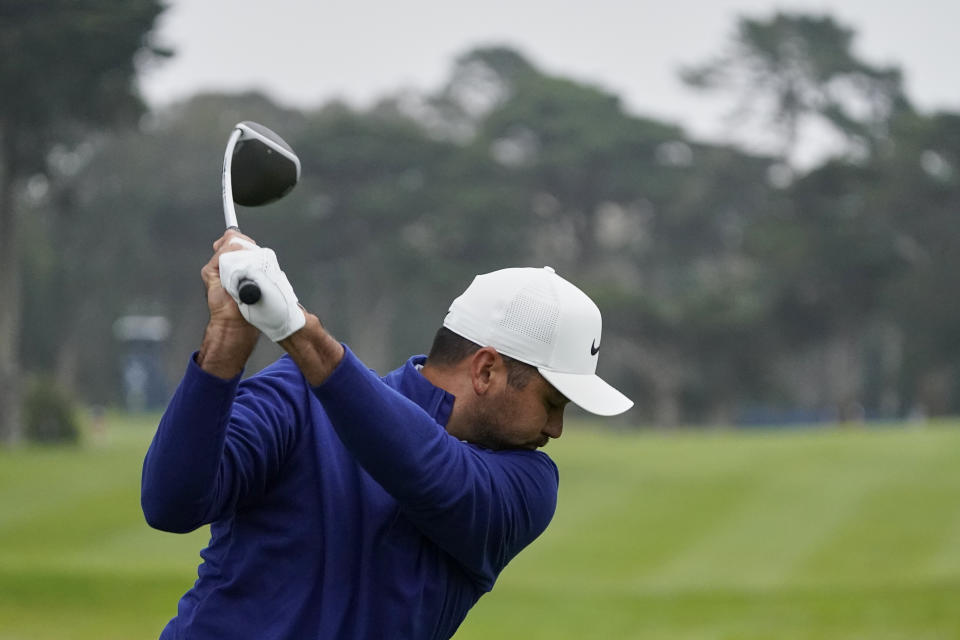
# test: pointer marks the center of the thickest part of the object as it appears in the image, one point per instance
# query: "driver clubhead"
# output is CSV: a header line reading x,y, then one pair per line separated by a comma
x,y
264,168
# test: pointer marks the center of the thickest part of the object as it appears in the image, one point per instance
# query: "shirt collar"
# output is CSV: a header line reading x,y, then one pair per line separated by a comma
x,y
414,386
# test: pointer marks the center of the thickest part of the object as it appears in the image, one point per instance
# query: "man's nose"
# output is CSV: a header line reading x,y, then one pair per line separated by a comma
x,y
554,426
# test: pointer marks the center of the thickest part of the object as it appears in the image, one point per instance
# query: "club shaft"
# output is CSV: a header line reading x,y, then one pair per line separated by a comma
x,y
229,212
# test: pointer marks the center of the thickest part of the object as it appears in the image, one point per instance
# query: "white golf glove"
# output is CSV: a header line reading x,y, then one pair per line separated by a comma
x,y
277,313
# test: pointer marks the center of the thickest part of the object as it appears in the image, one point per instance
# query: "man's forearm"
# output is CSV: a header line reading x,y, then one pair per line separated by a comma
x,y
226,348
315,351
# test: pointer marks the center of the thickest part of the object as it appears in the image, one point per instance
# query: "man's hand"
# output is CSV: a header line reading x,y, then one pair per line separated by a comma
x,y
222,307
277,313
229,339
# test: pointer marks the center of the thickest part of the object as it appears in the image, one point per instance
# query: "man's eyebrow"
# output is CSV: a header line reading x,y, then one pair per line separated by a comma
x,y
553,394
556,397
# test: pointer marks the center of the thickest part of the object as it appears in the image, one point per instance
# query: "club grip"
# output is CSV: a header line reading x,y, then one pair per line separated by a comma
x,y
249,292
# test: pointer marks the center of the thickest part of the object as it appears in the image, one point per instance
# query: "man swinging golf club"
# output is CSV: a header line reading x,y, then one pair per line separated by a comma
x,y
342,504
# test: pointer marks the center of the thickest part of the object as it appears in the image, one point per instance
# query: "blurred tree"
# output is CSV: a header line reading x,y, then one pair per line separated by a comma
x,y
570,143
796,67
395,216
716,276
386,221
859,255
830,252
635,212
64,67
136,219
920,194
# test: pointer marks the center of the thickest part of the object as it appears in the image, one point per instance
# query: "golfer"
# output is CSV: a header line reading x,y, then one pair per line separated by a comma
x,y
346,505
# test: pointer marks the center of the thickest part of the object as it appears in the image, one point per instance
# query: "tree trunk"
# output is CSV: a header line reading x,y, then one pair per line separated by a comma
x,y
842,375
663,370
67,363
666,403
372,335
10,425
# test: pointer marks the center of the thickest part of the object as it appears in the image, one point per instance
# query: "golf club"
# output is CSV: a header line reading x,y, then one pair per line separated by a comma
x,y
258,168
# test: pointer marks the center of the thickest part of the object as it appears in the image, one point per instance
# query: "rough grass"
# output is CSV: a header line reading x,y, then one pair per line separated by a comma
x,y
802,534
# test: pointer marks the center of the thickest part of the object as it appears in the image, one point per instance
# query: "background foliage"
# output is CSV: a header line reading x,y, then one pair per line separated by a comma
x,y
736,287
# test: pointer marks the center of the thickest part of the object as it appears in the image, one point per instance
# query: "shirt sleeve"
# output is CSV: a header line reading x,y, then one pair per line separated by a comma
x,y
219,444
479,506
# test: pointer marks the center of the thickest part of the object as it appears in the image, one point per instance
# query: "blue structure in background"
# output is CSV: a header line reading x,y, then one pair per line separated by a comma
x,y
144,385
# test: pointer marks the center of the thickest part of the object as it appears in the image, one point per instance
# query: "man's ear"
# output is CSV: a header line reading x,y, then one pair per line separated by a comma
x,y
483,369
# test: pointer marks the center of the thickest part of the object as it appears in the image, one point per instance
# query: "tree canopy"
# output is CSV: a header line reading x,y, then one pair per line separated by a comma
x,y
729,294
66,69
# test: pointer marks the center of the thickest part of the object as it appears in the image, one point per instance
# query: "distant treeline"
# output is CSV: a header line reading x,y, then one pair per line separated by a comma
x,y
734,287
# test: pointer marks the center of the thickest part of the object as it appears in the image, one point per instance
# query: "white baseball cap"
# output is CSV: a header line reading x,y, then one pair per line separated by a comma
x,y
537,317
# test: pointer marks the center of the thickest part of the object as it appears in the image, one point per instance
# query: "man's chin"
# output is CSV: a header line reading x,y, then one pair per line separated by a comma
x,y
487,435
529,446
496,444
537,444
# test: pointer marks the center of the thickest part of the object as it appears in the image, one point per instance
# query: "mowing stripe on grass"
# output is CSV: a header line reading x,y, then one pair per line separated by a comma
x,y
796,535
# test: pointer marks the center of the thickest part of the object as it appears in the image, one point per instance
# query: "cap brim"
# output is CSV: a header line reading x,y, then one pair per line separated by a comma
x,y
589,392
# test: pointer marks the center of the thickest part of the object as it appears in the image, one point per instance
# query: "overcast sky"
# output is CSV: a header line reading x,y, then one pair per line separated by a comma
x,y
306,53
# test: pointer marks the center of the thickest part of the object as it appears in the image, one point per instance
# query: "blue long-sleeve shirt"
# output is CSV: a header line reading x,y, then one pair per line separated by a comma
x,y
339,511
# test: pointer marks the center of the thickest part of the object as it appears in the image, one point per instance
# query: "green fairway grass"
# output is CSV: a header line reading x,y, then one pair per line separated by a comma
x,y
742,535
76,558
841,533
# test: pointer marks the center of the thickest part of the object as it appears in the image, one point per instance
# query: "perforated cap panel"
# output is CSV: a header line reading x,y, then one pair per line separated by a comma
x,y
532,317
